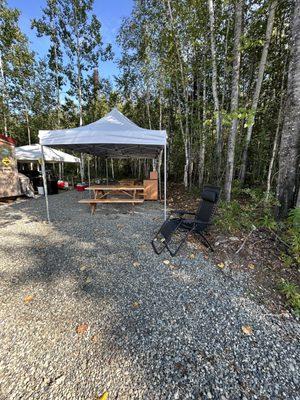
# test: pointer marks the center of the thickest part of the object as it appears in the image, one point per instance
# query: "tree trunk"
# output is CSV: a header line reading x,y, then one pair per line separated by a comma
x,y
57,83
234,98
298,198
276,140
260,76
3,95
289,153
202,139
28,127
185,130
215,89
78,65
225,66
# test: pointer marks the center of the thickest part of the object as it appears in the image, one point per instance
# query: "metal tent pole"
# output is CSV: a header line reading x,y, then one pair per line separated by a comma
x,y
82,167
106,171
45,183
89,174
165,181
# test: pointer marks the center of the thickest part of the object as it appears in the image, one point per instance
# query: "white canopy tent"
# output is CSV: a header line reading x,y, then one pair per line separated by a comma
x,y
33,153
113,136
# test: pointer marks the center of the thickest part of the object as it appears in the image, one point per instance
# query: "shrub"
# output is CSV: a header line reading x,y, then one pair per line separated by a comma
x,y
292,294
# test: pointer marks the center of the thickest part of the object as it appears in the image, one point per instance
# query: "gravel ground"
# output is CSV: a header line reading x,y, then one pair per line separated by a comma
x,y
148,330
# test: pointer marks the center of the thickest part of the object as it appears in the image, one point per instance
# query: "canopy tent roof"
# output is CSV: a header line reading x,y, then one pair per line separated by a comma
x,y
34,153
114,135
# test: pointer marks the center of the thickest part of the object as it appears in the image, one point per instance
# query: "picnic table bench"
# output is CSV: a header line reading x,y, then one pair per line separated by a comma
x,y
132,194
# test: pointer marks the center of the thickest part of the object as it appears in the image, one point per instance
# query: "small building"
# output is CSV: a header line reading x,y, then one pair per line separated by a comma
x,y
10,185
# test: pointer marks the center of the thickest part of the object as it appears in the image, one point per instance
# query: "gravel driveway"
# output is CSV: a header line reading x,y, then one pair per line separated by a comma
x,y
87,307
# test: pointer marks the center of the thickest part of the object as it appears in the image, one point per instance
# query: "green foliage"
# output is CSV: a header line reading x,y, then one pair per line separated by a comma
x,y
234,216
247,209
293,238
292,294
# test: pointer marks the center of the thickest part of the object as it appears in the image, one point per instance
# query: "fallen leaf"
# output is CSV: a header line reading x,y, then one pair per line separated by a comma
x,y
82,328
192,256
28,299
135,304
94,338
251,266
247,330
136,264
221,265
88,280
103,396
166,262
83,268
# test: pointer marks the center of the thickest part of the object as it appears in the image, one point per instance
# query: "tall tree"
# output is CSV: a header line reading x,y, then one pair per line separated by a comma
x,y
81,36
257,90
215,90
234,98
15,57
48,25
289,153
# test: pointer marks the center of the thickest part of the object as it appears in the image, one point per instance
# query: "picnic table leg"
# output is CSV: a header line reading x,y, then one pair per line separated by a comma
x,y
93,208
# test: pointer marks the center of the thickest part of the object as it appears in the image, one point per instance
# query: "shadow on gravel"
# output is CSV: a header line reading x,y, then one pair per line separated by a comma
x,y
168,331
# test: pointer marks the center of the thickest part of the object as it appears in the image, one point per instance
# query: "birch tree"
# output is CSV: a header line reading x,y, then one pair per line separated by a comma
x,y
289,153
48,25
234,98
80,33
215,90
14,56
257,90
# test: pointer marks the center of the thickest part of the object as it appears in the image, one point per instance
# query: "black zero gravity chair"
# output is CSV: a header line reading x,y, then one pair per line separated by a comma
x,y
175,230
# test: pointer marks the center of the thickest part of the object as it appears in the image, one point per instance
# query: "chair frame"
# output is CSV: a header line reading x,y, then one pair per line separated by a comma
x,y
182,221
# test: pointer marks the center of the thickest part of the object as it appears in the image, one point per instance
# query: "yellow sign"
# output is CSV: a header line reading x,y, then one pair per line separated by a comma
x,y
6,161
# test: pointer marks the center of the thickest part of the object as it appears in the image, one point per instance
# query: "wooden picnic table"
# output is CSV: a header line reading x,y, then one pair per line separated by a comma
x,y
102,191
129,194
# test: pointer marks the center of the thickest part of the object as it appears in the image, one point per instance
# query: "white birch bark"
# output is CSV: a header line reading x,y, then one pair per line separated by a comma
x,y
260,76
28,127
185,128
3,87
289,153
215,88
234,99
203,141
276,141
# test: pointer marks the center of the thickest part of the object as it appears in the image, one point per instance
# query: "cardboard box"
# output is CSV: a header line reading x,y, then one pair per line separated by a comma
x,y
153,175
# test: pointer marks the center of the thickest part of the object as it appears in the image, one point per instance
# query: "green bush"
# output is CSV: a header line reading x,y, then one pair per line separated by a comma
x,y
292,294
247,209
292,237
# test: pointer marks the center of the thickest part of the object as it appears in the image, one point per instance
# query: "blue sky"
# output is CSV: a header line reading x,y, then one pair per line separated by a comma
x,y
109,12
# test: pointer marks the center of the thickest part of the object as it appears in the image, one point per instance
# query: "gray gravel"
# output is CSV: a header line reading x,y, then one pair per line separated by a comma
x,y
155,331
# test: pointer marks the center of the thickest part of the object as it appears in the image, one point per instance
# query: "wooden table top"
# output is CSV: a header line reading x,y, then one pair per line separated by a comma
x,y
115,187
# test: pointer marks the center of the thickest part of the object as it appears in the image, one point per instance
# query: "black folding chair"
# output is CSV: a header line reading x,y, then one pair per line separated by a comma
x,y
175,230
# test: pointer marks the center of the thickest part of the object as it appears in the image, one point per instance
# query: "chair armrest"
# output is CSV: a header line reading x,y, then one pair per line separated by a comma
x,y
182,212
195,221
198,221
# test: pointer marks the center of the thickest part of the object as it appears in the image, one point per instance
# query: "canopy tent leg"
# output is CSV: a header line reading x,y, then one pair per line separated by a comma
x,y
45,183
106,164
112,168
165,182
89,174
82,167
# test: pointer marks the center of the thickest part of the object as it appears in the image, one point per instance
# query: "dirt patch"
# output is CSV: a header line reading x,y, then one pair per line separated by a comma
x,y
257,254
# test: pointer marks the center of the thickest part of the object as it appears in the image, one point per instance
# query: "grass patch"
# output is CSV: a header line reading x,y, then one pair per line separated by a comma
x,y
292,295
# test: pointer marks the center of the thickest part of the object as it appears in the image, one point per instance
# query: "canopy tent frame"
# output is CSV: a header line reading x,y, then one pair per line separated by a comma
x,y
113,136
89,179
